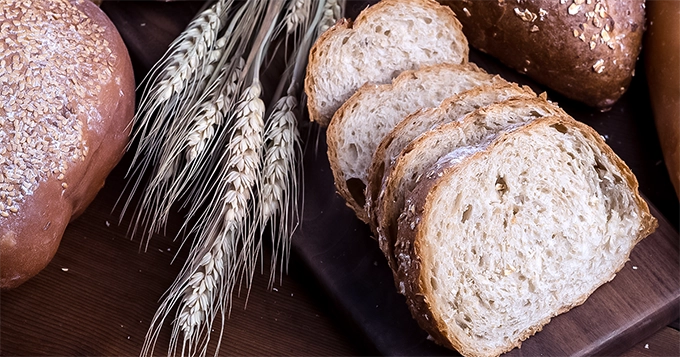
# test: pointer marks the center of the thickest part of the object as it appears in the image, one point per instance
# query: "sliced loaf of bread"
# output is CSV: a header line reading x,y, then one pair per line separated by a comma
x,y
360,124
503,235
418,157
385,39
451,109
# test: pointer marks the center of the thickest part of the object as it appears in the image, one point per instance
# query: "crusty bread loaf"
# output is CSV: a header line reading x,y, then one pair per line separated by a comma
x,y
585,50
495,242
67,103
662,66
417,158
451,109
360,124
385,39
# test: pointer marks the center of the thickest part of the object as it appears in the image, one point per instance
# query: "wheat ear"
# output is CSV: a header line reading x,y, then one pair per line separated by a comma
x,y
278,190
211,114
238,179
156,111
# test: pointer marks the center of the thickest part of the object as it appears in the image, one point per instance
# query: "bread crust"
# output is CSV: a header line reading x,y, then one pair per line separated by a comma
x,y
30,238
410,242
587,53
343,26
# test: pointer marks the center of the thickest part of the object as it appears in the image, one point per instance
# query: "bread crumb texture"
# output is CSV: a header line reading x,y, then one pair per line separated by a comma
x,y
53,60
531,240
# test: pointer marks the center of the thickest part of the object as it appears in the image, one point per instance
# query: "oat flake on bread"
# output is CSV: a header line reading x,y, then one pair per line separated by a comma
x,y
67,93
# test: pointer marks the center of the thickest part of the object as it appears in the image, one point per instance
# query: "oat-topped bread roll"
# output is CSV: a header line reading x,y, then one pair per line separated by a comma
x,y
67,98
385,39
585,50
511,231
367,116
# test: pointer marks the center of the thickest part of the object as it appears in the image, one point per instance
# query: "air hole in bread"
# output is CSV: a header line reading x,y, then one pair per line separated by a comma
x,y
377,29
344,41
535,114
500,185
559,127
466,213
356,189
387,33
427,20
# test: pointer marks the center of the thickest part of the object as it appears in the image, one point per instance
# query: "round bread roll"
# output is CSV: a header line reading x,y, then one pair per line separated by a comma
x,y
67,99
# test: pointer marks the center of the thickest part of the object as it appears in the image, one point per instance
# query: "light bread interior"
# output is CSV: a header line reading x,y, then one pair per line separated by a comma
x,y
516,235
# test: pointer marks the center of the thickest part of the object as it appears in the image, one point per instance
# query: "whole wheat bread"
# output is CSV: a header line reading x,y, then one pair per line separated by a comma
x,y
360,124
494,244
385,39
418,157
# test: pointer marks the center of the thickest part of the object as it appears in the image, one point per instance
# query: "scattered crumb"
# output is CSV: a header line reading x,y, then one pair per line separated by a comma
x,y
647,345
128,337
142,24
275,289
375,263
635,267
291,294
64,269
108,224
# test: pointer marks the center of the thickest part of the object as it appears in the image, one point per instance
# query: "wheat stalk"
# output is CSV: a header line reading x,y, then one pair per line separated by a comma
x,y
236,173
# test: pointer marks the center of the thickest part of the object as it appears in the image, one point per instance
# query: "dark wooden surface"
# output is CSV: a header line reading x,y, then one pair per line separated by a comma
x,y
100,292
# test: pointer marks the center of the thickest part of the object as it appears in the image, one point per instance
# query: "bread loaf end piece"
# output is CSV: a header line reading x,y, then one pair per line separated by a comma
x,y
385,39
551,214
585,51
78,97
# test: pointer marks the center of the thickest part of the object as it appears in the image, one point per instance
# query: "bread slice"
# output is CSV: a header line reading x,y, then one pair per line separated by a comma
x,y
360,124
494,244
451,109
387,38
421,154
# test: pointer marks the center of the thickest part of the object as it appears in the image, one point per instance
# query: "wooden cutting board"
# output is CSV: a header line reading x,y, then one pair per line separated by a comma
x,y
644,296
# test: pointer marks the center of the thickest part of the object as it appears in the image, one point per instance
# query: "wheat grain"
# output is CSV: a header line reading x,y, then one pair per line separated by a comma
x,y
332,12
296,14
